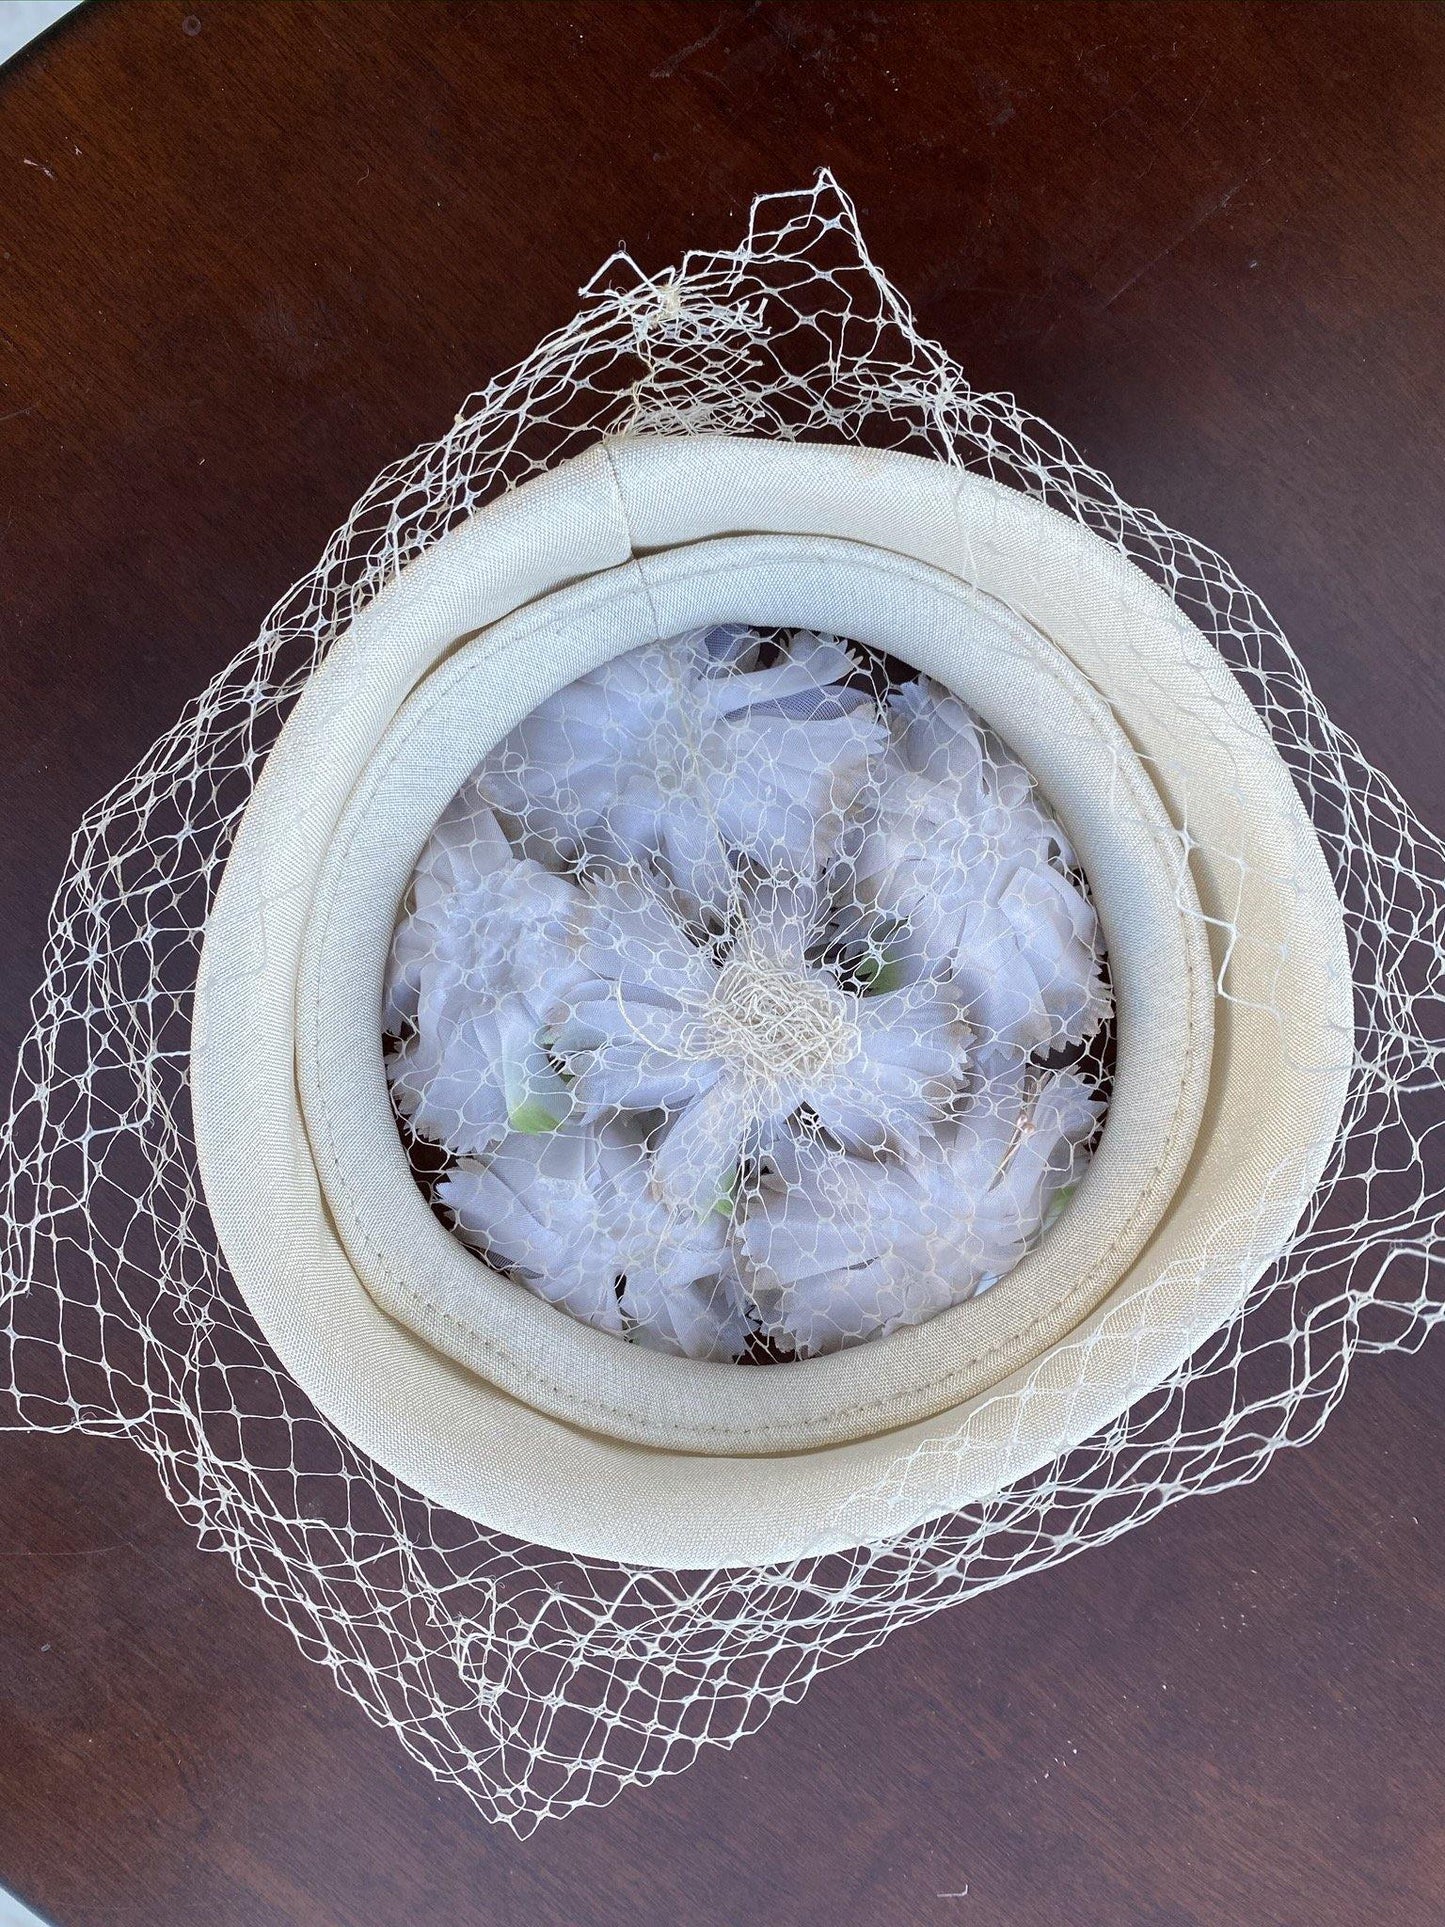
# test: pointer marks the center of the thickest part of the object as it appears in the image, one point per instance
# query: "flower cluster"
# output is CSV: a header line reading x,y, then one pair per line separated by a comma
x,y
739,984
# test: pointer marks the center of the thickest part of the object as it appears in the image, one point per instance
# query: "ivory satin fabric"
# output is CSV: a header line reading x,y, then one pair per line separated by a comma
x,y
1225,1106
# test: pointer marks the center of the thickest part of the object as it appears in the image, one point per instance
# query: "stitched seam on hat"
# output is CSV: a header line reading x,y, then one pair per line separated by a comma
x,y
673,1431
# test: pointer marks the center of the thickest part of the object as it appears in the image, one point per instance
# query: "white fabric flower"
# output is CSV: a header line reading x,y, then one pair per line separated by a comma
x,y
962,867
724,993
572,1215
733,1038
489,948
704,1317
685,756
838,1248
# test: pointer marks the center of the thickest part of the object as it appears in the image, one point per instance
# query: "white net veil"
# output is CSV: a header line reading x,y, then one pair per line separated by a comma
x,y
538,1681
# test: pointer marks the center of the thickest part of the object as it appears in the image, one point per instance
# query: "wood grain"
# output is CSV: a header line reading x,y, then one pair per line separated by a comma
x,y
250,253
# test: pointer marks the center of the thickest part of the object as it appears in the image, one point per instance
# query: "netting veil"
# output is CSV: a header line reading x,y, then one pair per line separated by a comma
x,y
817,983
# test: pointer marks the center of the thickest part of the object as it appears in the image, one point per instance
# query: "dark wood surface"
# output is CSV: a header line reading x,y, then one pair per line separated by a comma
x,y
251,252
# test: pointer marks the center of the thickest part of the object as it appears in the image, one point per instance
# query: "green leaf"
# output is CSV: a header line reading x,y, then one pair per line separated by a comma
x,y
726,1199
532,1118
1058,1205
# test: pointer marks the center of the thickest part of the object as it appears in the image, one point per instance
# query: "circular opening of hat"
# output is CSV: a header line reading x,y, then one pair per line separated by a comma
x,y
748,1001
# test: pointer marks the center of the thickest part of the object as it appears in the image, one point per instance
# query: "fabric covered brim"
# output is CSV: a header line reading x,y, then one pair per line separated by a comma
x,y
1232,1066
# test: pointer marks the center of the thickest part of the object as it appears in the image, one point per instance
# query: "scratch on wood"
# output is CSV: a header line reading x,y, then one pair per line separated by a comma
x,y
79,1552
1194,226
670,67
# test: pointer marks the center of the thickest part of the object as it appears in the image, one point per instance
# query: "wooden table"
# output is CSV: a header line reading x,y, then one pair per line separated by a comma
x,y
252,252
